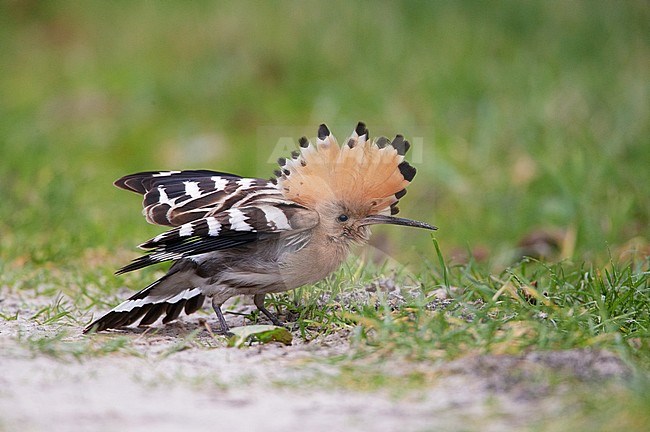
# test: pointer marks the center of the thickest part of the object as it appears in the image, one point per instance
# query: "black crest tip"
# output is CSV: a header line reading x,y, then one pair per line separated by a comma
x,y
382,142
361,129
407,171
282,161
400,145
323,132
304,142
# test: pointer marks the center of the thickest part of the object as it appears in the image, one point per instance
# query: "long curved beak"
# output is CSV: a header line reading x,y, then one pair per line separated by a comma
x,y
382,219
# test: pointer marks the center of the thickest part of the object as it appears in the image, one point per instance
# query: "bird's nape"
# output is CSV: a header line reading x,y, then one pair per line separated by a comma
x,y
392,220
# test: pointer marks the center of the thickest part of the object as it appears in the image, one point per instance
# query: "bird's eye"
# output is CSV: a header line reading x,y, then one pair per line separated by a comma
x,y
342,218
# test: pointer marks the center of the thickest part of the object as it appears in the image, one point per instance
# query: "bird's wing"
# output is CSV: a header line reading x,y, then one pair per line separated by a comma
x,y
174,198
229,228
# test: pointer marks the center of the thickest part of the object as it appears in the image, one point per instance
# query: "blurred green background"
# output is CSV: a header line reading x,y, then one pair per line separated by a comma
x,y
525,116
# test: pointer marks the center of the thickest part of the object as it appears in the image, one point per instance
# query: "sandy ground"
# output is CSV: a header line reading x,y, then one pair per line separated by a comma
x,y
205,386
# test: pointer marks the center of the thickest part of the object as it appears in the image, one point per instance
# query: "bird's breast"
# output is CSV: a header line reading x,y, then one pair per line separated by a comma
x,y
314,262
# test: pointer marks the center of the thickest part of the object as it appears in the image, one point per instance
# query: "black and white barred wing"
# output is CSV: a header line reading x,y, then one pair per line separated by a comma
x,y
174,198
226,229
175,291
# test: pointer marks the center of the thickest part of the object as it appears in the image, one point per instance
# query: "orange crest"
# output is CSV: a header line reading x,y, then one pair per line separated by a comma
x,y
371,174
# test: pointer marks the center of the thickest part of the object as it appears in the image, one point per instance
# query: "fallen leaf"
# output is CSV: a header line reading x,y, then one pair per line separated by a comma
x,y
259,333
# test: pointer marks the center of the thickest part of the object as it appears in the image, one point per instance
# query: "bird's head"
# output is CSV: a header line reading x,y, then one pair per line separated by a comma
x,y
349,222
351,187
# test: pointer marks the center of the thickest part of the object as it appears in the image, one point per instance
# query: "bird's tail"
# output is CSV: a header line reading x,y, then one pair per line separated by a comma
x,y
161,297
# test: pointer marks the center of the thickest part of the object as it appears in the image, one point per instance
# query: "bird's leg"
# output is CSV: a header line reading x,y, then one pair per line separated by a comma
x,y
258,300
225,330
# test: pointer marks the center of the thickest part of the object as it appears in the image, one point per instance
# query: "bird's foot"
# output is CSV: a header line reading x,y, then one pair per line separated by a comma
x,y
258,299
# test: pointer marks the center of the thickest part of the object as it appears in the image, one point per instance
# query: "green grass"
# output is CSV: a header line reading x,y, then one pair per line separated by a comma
x,y
526,117
527,114
529,306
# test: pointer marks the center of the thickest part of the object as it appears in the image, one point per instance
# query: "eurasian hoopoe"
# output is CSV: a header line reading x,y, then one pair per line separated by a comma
x,y
235,235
